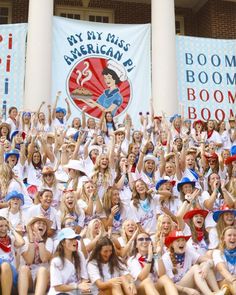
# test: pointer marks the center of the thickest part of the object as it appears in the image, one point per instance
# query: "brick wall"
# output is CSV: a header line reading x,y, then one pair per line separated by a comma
x,y
216,19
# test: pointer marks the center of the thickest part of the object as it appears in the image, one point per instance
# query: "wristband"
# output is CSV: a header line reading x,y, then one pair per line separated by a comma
x,y
149,261
41,241
187,201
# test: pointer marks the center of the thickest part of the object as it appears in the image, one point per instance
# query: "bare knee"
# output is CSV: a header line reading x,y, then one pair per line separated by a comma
x,y
42,271
5,268
24,269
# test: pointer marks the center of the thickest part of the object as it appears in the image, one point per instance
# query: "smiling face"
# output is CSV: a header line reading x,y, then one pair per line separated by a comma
x,y
106,253
15,203
142,242
109,117
41,117
39,226
228,218
169,168
46,199
140,187
210,125
76,123
12,160
91,123
70,245
187,188
4,131
130,227
36,158
198,220
48,178
109,81
3,228
115,198
131,158
179,246
13,114
89,188
214,178
104,161
70,200
137,136
149,166
190,161
166,225
229,238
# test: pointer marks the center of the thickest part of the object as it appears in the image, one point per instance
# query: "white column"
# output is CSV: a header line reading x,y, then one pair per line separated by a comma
x,y
38,55
164,69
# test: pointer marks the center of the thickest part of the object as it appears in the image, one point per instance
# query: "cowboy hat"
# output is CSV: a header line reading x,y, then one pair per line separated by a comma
x,y
175,235
185,180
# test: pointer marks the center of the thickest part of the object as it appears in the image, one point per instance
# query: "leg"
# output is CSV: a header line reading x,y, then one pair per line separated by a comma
x,y
42,281
126,285
200,282
6,278
168,285
211,280
24,280
147,287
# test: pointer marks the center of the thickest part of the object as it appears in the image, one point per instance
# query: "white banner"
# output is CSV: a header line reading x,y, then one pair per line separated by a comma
x,y
12,63
102,66
207,77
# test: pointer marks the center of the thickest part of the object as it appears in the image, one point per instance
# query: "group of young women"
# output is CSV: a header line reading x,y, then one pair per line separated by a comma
x,y
100,208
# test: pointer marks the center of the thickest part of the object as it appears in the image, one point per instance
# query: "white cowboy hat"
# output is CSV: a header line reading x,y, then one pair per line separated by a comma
x,y
76,165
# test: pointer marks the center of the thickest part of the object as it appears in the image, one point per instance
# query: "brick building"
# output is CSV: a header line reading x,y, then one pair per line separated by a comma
x,y
202,18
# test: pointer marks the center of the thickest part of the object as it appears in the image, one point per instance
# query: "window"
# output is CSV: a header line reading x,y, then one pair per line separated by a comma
x,y
5,13
93,15
179,25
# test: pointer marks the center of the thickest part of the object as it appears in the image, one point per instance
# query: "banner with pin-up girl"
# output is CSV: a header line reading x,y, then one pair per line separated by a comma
x,y
103,67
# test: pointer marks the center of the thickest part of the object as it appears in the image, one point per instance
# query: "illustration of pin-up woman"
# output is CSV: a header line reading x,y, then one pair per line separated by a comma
x,y
111,98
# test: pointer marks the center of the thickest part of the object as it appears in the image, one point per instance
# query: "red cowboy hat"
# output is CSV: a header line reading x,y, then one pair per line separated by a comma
x,y
211,156
175,235
232,158
190,214
198,122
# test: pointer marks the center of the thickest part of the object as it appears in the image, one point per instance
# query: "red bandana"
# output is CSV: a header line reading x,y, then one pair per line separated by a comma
x,y
142,260
200,234
209,133
5,244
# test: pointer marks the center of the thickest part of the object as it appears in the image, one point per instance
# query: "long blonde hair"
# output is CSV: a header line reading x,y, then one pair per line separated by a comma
x,y
105,175
222,244
89,232
123,233
63,207
83,195
7,175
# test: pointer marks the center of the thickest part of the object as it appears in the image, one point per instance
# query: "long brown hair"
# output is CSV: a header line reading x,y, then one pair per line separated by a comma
x,y
135,194
60,252
114,261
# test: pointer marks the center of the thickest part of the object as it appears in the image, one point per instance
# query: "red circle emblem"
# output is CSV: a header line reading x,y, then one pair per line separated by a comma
x,y
86,85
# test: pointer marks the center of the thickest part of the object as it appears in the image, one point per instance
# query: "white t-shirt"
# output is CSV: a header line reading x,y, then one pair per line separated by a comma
x,y
33,175
146,219
191,258
135,268
65,275
94,274
83,206
213,238
200,247
16,219
219,257
11,123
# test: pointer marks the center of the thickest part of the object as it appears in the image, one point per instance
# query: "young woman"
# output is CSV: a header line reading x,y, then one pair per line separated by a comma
x,y
224,217
124,181
9,182
124,244
9,242
225,260
115,212
148,272
69,206
92,233
214,198
166,201
37,252
14,212
76,173
144,207
104,173
13,119
5,130
90,203
182,266
68,271
107,272
44,208
49,181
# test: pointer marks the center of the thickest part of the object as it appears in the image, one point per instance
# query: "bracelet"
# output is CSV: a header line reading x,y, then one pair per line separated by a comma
x,y
149,261
187,201
31,242
157,256
41,241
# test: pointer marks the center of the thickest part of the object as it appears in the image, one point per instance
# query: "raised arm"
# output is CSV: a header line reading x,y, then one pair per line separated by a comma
x,y
68,114
55,105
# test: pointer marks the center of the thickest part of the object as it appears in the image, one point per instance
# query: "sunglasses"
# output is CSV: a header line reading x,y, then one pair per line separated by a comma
x,y
70,224
144,239
49,174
